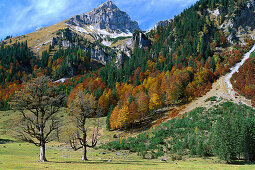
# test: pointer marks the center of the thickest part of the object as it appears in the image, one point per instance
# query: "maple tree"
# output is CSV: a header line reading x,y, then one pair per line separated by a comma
x,y
81,108
39,105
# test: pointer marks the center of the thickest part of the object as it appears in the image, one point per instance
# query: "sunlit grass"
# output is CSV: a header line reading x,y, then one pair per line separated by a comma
x,y
25,156
18,155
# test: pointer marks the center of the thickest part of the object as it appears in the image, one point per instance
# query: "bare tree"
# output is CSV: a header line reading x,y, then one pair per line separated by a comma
x,y
81,109
38,102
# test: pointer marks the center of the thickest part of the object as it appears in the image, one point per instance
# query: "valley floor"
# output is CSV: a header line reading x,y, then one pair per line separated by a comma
x,y
25,156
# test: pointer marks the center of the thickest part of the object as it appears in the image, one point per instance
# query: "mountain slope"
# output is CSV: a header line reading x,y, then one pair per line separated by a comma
x,y
39,40
169,66
103,24
222,89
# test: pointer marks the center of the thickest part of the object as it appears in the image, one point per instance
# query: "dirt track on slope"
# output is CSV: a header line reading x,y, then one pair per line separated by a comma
x,y
222,88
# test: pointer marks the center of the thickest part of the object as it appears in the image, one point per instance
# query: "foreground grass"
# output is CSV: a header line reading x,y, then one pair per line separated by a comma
x,y
25,156
16,155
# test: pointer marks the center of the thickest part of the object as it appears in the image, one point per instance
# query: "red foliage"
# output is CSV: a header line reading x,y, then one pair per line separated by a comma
x,y
244,80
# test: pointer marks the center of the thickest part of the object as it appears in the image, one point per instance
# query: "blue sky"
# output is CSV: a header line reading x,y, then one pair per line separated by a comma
x,y
19,17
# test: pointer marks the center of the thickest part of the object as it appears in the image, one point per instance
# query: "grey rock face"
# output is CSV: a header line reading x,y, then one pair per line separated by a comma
x,y
98,53
246,18
163,23
120,59
66,44
141,40
125,51
107,16
242,23
63,40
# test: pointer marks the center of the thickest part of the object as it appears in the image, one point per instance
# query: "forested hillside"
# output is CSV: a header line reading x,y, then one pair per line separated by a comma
x,y
16,64
225,130
176,92
185,58
244,80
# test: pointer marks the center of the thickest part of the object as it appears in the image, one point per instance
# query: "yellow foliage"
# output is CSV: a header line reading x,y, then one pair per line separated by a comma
x,y
154,101
120,118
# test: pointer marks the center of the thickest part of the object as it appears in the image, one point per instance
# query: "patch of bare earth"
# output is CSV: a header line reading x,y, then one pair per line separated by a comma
x,y
222,89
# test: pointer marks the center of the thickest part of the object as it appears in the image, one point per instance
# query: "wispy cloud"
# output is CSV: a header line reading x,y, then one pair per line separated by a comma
x,y
23,16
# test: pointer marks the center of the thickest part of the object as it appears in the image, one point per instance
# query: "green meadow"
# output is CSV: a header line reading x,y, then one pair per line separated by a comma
x,y
19,155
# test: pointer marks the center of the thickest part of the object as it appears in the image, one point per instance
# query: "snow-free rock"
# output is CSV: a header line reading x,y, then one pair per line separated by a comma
x,y
106,17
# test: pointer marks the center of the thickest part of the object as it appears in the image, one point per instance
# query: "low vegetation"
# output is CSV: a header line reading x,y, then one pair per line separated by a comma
x,y
115,40
201,132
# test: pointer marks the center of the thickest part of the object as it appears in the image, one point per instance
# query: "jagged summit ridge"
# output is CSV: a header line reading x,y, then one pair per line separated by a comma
x,y
108,4
106,17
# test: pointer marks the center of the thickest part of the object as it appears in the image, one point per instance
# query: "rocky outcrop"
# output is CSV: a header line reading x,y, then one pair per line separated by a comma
x,y
246,18
121,57
123,52
64,39
163,23
96,51
99,54
106,17
241,25
140,40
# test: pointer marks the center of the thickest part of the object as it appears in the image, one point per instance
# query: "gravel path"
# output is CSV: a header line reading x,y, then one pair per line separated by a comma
x,y
222,88
235,69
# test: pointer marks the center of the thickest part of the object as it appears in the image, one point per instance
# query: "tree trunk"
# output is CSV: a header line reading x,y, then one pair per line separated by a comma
x,y
42,153
84,153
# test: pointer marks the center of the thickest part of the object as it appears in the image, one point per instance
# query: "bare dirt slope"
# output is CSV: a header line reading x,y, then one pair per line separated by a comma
x,y
223,89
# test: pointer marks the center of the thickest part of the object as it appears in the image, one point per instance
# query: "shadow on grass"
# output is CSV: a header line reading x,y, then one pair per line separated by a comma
x,y
104,162
148,122
242,162
3,141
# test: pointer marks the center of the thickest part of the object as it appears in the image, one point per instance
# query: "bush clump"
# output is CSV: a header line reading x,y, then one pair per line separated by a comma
x,y
226,130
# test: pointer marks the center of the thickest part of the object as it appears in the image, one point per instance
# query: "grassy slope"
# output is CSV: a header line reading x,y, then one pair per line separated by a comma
x,y
38,41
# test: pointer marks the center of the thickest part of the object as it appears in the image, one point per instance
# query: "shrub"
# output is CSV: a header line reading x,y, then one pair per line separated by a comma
x,y
195,133
212,99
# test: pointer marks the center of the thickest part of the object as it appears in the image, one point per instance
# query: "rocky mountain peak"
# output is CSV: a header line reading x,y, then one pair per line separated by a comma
x,y
108,4
106,17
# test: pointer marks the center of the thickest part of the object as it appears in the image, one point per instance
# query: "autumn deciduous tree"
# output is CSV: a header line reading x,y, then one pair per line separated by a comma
x,y
39,104
83,107
120,117
244,80
142,101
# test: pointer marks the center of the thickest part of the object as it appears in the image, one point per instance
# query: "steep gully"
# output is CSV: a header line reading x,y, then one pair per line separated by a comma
x,y
222,88
234,70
